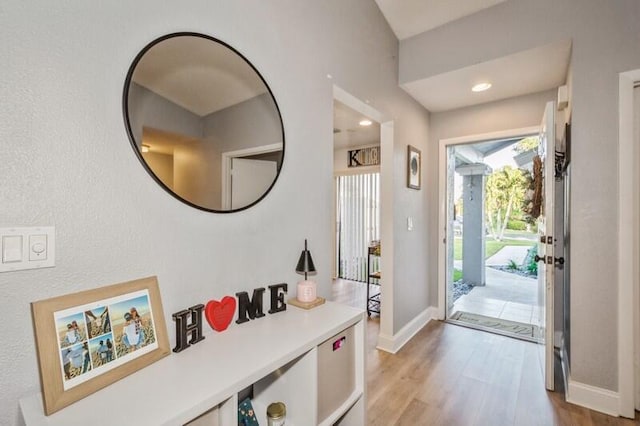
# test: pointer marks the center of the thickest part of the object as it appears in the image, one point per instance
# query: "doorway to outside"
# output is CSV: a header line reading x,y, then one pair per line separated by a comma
x,y
492,264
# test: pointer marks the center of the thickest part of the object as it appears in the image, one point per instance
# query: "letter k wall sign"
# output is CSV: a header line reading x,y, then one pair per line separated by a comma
x,y
364,157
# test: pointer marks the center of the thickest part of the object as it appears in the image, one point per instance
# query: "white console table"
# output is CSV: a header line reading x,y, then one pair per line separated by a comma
x,y
276,355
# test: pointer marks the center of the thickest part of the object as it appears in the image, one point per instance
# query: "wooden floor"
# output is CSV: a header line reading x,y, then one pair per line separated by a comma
x,y
452,375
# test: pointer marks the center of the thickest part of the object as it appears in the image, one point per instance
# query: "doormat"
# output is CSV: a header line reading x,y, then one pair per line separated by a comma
x,y
505,326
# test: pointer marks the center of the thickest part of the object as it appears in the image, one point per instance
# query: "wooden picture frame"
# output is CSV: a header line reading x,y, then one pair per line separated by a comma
x,y
73,333
414,167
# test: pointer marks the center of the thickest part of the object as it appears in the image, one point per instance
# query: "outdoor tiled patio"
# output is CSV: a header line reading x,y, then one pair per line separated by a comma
x,y
506,296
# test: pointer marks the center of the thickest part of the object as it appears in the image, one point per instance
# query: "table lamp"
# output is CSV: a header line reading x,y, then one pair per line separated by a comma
x,y
307,288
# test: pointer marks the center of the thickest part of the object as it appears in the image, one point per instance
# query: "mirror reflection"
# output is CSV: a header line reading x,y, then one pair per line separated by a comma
x,y
203,122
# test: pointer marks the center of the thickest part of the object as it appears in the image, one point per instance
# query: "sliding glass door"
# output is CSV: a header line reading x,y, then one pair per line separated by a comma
x,y
358,222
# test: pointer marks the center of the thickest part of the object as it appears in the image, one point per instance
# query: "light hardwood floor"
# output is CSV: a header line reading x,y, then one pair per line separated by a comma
x,y
452,375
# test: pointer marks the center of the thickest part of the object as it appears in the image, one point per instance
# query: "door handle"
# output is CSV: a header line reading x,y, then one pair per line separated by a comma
x,y
559,260
538,258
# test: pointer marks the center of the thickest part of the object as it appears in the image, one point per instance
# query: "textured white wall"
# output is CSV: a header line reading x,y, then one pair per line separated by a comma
x,y
606,41
65,158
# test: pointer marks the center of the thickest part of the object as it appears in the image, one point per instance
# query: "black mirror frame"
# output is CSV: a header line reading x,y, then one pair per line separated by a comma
x,y
127,122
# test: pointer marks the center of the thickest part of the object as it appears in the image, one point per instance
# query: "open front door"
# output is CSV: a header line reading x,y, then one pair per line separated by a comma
x,y
546,243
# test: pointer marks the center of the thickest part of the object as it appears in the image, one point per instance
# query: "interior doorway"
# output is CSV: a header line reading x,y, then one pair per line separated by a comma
x,y
385,334
357,160
492,255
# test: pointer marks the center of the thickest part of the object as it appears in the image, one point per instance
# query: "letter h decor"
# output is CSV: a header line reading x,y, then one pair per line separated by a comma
x,y
194,328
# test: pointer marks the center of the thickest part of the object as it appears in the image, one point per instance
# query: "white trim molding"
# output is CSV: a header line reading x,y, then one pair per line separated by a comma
x,y
394,343
628,231
594,398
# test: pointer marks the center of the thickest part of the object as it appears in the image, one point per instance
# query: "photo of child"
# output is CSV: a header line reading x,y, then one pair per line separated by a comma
x,y
132,325
100,352
98,321
71,330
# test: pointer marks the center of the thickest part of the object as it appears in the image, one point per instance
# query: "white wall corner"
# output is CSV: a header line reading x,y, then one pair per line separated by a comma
x,y
627,243
594,398
393,343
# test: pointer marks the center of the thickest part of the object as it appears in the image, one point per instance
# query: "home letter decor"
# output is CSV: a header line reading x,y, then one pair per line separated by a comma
x,y
183,329
277,298
251,307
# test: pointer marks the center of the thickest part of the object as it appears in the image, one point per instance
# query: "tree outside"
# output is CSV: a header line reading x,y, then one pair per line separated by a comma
x,y
504,193
527,144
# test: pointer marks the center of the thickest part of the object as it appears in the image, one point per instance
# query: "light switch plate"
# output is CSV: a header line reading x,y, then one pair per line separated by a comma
x,y
27,248
12,248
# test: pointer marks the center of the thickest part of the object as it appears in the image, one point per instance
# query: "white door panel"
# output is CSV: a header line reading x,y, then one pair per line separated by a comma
x,y
250,179
545,245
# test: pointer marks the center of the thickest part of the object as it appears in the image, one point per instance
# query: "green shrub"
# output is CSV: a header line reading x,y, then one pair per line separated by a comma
x,y
531,264
457,274
517,225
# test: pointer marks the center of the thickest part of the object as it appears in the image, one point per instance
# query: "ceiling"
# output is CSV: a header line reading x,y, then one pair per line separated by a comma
x,y
531,71
410,17
198,74
348,133
476,152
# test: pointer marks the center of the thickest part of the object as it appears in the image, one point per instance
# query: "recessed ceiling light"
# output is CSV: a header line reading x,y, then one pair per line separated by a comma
x,y
481,87
365,122
145,148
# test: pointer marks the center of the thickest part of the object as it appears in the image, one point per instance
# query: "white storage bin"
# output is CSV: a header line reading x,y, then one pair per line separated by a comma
x,y
336,372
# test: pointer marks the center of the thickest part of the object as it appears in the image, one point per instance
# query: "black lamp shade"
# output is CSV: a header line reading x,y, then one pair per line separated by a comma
x,y
305,263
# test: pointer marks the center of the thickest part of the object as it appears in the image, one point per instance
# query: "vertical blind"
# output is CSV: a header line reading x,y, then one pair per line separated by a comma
x,y
358,204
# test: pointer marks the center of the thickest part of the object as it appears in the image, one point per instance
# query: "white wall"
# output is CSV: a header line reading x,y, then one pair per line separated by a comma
x,y
606,41
66,159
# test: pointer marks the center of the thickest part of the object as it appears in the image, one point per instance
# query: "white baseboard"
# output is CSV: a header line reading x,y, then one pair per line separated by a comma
x,y
594,398
394,343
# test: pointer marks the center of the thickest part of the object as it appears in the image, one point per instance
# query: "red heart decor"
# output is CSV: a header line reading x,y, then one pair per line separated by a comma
x,y
219,314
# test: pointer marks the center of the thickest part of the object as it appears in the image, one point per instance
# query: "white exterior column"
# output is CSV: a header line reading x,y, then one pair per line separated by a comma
x,y
473,216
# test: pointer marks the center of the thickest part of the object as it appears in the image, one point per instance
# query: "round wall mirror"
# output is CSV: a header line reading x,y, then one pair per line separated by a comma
x,y
203,122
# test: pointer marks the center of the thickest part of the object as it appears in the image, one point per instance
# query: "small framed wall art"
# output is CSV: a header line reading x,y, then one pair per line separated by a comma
x,y
88,340
414,167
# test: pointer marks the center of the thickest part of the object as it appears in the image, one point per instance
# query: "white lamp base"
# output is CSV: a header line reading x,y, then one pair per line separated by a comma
x,y
306,291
